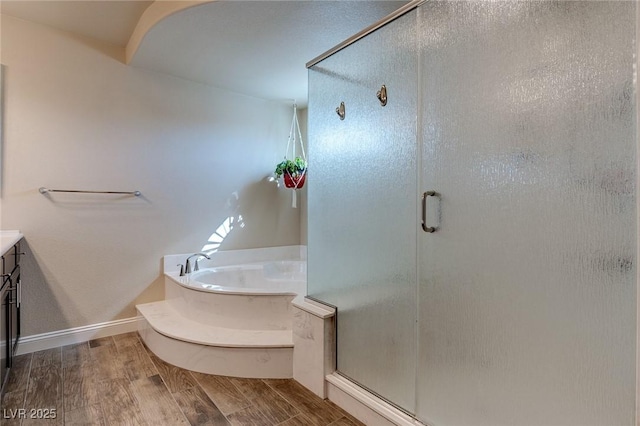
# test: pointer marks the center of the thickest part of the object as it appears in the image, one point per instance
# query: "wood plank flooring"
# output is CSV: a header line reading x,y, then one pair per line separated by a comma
x,y
118,381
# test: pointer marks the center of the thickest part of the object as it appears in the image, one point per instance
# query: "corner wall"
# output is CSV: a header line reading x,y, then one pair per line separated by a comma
x,y
78,118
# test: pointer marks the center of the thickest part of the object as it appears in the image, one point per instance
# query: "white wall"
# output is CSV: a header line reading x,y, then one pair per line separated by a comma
x,y
78,118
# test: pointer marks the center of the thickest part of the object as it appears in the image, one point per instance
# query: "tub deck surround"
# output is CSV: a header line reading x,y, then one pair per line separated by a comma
x,y
231,310
314,341
238,257
234,325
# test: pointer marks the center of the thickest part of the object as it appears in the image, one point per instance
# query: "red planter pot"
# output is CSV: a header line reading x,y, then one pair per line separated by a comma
x,y
296,182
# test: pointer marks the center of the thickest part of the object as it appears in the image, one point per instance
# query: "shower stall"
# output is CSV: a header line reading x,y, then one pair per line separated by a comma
x,y
472,210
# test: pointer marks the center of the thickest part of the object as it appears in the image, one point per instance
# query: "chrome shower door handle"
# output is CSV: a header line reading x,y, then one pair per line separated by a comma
x,y
426,228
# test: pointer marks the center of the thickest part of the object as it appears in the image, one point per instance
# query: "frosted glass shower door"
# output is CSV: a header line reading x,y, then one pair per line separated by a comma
x,y
527,292
362,206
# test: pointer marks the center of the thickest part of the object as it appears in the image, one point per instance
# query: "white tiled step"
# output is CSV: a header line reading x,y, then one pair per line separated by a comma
x,y
259,363
164,319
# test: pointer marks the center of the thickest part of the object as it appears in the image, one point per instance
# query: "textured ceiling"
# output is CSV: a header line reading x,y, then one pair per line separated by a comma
x,y
258,48
108,21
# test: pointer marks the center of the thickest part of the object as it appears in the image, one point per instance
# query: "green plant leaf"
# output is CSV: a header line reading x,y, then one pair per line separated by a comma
x,y
294,167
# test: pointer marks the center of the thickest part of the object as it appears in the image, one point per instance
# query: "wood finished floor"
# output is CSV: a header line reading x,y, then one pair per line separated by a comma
x,y
118,381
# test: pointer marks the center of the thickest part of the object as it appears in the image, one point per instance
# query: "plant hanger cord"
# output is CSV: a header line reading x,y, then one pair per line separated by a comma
x,y
291,143
292,136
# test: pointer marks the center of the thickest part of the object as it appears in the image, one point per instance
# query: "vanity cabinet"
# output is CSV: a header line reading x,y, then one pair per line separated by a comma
x,y
10,293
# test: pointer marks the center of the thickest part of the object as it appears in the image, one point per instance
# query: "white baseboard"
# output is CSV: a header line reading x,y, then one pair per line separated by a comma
x,y
54,339
365,406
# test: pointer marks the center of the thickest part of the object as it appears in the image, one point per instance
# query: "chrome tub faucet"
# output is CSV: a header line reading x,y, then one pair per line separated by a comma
x,y
187,267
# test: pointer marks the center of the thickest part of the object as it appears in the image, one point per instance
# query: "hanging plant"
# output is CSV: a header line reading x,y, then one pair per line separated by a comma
x,y
294,172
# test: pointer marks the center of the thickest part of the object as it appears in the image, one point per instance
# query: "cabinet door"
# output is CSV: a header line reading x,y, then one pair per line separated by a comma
x,y
14,311
9,259
4,332
527,306
362,206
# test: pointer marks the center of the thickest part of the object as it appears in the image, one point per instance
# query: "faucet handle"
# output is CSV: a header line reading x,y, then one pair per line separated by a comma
x,y
181,269
196,266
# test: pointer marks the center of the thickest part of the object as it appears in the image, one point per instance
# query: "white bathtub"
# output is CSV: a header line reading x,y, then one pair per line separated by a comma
x,y
285,277
242,289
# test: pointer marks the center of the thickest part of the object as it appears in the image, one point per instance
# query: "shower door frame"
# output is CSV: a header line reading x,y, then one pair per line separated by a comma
x,y
415,4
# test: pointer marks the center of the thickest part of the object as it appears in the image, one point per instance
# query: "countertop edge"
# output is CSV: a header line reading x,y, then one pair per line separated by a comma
x,y
8,239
